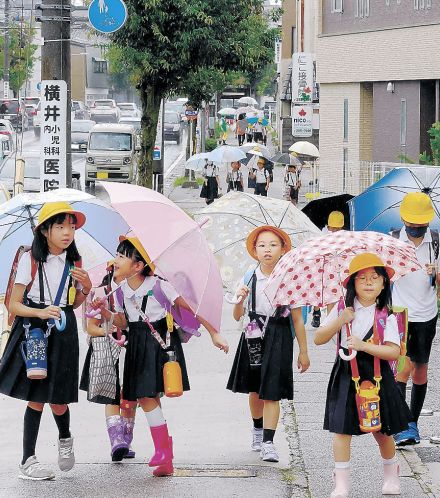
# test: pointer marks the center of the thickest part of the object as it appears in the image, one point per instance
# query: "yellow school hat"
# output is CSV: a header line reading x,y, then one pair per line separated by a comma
x,y
364,261
335,219
51,209
252,238
416,207
134,241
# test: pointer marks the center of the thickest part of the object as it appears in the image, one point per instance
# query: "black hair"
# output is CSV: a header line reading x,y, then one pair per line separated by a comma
x,y
383,299
126,248
108,277
40,247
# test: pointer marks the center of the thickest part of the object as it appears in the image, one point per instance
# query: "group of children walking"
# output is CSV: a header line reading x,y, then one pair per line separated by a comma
x,y
362,394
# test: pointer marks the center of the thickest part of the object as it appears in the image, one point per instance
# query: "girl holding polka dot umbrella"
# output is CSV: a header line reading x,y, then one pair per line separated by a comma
x,y
313,274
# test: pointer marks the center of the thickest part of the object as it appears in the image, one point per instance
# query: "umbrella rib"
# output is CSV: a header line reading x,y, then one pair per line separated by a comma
x,y
284,215
254,221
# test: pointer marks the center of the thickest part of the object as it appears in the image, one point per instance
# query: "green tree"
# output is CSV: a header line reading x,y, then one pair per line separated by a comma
x,y
434,133
187,47
21,54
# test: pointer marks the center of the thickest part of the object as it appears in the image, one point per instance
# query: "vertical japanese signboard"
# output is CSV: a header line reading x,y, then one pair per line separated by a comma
x,y
53,134
302,77
302,116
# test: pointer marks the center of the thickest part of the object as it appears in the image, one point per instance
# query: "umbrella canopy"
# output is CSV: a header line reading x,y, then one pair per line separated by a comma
x,y
226,154
246,109
197,161
377,208
175,244
284,158
304,148
247,101
313,273
97,240
252,145
260,152
319,209
233,216
227,111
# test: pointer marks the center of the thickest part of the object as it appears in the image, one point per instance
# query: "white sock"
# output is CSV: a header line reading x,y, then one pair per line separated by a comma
x,y
389,461
155,417
342,465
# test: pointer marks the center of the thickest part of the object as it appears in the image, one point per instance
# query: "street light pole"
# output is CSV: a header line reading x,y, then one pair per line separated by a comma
x,y
6,53
55,58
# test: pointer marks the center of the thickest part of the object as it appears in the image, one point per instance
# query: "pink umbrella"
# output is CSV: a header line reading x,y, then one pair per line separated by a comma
x,y
313,273
176,245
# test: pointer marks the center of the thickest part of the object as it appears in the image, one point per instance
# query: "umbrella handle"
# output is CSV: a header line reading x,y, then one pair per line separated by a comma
x,y
92,313
346,357
120,342
232,298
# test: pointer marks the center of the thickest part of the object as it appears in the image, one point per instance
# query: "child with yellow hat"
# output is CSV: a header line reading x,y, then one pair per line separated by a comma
x,y
49,284
262,178
262,366
418,293
151,339
368,292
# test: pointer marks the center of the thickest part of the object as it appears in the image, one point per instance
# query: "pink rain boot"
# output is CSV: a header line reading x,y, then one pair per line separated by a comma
x,y
167,469
119,448
161,440
342,486
391,481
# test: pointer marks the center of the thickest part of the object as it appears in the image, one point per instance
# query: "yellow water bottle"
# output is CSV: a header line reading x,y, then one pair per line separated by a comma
x,y
172,377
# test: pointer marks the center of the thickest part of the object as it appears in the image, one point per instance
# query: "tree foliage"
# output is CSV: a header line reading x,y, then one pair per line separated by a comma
x,y
187,47
21,54
434,133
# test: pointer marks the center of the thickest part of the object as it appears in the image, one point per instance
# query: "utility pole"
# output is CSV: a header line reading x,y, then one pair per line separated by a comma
x,y
55,58
6,53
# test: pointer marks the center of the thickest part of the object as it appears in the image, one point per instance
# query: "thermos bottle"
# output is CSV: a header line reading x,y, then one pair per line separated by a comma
x,y
172,377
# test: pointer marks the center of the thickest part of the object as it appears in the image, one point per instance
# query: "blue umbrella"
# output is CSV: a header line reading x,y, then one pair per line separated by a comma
x,y
377,208
97,240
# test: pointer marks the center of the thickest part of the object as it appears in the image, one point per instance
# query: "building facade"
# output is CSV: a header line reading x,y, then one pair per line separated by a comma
x,y
378,69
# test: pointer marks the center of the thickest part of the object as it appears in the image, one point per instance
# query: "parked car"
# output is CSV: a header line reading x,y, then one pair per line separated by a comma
x,y
112,154
129,109
105,110
80,134
31,111
14,111
80,110
173,127
31,173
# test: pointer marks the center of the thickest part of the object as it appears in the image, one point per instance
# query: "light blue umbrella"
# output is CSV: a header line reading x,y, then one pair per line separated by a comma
x,y
377,208
97,240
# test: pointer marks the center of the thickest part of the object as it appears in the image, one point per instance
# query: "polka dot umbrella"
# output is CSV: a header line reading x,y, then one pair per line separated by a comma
x,y
312,274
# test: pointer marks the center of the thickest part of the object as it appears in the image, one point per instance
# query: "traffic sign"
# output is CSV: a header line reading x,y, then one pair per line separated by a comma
x,y
191,112
156,153
107,16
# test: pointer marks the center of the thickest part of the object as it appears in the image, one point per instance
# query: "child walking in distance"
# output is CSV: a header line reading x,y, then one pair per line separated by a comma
x,y
149,342
263,362
100,376
50,270
376,405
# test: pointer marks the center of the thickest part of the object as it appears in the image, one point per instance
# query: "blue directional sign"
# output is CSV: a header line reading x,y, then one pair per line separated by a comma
x,y
107,16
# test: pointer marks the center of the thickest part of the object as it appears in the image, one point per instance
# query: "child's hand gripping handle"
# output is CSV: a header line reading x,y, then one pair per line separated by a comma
x,y
347,317
240,294
95,308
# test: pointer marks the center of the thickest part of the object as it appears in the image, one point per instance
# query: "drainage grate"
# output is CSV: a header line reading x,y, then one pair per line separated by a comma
x,y
214,472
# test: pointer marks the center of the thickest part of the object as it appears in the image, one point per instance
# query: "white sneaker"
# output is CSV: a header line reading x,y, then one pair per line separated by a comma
x,y
268,452
33,470
257,439
66,457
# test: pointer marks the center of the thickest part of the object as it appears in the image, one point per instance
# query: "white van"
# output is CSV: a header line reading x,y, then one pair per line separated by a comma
x,y
112,154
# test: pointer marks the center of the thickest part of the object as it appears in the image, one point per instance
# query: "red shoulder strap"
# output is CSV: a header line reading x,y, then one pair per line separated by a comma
x,y
34,269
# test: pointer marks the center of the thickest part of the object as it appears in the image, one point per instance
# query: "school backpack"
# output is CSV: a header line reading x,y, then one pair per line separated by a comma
x,y
249,275
434,236
381,316
11,281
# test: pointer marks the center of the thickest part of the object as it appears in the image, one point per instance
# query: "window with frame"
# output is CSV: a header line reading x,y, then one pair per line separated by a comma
x,y
363,8
345,120
337,6
99,66
403,122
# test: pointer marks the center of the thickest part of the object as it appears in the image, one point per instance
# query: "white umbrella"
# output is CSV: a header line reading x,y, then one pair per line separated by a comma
x,y
227,111
226,154
255,145
305,148
197,161
245,110
257,151
247,101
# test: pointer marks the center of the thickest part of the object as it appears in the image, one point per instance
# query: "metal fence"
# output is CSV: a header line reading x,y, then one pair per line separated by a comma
x,y
326,179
